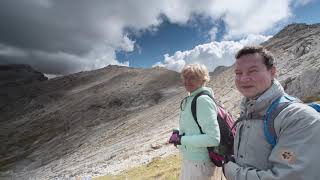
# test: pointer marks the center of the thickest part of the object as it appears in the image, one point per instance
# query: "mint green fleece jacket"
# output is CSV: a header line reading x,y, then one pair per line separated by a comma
x,y
194,144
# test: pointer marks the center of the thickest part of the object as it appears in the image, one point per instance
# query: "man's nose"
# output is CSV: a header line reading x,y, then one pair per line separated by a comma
x,y
244,78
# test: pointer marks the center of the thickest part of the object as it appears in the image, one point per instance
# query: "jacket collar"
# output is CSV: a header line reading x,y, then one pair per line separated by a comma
x,y
200,89
260,104
195,92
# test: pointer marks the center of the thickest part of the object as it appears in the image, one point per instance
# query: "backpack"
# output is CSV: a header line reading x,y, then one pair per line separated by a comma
x,y
273,111
227,132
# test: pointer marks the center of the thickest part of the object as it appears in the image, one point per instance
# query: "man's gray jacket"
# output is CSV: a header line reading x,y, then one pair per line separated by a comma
x,y
296,155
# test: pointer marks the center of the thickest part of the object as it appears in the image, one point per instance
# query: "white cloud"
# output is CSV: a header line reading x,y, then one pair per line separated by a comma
x,y
254,17
63,62
212,55
11,51
127,44
301,2
213,33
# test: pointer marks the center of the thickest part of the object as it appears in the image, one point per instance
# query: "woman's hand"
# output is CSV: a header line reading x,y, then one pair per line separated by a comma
x,y
175,138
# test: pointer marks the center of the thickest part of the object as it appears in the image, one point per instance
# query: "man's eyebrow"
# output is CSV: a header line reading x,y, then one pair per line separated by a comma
x,y
253,67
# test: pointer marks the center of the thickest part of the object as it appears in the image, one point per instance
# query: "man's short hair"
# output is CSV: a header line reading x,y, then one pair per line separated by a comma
x,y
267,55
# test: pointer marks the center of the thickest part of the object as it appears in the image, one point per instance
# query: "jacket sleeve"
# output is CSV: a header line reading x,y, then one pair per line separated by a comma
x,y
296,154
207,118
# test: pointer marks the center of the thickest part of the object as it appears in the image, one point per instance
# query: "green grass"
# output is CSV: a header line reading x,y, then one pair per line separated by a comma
x,y
158,168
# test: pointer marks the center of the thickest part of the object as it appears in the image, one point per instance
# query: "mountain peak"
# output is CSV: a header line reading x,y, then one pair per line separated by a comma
x,y
294,28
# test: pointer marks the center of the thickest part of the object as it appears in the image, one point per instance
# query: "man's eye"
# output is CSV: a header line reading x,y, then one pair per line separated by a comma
x,y
253,71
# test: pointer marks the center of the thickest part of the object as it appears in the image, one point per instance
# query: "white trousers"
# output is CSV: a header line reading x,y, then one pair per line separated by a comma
x,y
200,171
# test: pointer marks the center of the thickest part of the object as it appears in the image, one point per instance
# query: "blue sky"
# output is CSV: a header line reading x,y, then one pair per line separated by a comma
x,y
169,38
63,37
309,13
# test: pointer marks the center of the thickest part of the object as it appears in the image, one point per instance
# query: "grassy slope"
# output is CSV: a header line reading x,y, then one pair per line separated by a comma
x,y
159,168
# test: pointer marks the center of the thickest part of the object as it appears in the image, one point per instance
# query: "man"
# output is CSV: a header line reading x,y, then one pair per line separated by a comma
x,y
295,155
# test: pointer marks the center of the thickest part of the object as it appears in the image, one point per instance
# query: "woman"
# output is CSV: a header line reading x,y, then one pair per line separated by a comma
x,y
193,145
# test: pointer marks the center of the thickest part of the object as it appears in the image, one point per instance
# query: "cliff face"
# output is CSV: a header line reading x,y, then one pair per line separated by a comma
x,y
113,118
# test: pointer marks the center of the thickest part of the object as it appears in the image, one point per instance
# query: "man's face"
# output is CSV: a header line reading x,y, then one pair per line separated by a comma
x,y
191,82
252,76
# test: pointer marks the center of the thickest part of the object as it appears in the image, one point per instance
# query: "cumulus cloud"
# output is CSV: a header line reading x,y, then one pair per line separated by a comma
x,y
212,54
254,18
84,35
63,62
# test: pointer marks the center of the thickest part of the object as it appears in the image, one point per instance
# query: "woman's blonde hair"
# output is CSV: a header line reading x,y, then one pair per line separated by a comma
x,y
198,70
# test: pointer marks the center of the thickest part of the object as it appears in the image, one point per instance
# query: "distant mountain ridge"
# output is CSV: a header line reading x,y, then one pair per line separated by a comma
x,y
107,120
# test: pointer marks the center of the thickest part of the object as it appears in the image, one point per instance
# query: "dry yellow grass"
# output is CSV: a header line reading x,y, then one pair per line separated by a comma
x,y
160,168
308,99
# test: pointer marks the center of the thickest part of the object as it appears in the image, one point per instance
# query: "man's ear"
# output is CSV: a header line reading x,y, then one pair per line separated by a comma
x,y
273,71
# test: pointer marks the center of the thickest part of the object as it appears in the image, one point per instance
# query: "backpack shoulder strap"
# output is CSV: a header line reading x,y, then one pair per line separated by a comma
x,y
272,112
315,106
194,107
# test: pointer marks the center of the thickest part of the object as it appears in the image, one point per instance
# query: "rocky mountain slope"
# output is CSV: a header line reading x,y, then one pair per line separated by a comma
x,y
81,123
103,121
297,50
